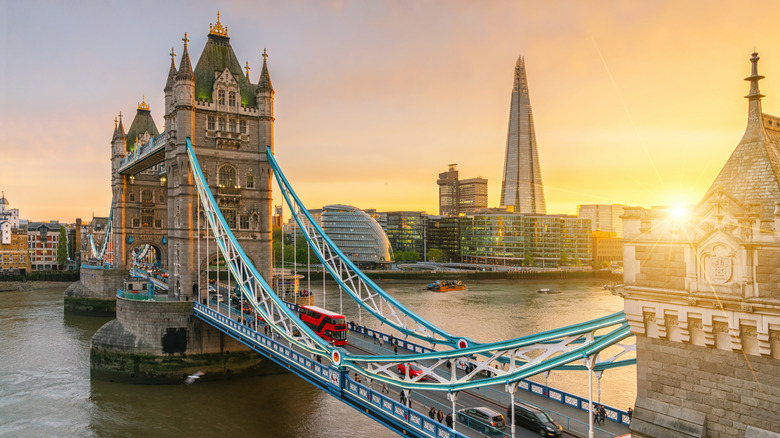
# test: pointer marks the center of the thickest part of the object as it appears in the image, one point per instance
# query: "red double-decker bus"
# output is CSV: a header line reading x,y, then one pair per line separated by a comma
x,y
328,325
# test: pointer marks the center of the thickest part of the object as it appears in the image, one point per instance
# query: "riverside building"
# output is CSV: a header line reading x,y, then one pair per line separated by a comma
x,y
358,235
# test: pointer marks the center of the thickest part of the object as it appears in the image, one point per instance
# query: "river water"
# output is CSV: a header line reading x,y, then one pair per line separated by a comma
x,y
45,388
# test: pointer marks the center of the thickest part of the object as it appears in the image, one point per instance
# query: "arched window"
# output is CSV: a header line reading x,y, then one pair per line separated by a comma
x,y
147,197
221,97
227,176
232,99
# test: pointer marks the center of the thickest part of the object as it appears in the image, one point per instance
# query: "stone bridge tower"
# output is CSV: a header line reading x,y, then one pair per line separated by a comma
x,y
139,201
230,122
702,295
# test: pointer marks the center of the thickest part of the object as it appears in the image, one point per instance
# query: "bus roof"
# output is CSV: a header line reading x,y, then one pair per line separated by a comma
x,y
322,311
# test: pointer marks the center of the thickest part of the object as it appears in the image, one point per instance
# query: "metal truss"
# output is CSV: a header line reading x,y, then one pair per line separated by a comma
x,y
353,281
468,365
508,362
254,289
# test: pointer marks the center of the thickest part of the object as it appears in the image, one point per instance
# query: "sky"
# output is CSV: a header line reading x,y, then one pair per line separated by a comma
x,y
634,102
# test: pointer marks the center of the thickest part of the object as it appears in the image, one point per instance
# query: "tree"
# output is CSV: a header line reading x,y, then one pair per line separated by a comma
x,y
62,249
302,256
412,256
528,259
564,261
435,255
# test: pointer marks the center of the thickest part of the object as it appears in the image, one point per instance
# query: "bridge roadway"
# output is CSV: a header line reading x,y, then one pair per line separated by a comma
x,y
574,420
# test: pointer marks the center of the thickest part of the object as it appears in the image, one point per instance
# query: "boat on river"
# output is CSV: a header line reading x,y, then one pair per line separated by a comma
x,y
446,285
548,291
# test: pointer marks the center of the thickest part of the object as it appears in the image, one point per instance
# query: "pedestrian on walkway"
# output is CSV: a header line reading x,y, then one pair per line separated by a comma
x,y
402,399
630,413
395,347
449,420
440,416
385,389
432,413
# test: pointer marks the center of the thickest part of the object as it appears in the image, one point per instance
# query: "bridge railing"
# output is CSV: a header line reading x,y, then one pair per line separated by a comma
x,y
492,393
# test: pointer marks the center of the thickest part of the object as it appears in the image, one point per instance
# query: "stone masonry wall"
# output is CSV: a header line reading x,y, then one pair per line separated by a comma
x,y
768,273
661,267
732,390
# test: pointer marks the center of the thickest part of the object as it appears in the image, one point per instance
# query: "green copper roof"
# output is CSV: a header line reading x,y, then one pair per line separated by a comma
x,y
216,56
142,122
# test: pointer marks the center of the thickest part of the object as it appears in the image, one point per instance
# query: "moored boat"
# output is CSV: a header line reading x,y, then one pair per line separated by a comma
x,y
446,285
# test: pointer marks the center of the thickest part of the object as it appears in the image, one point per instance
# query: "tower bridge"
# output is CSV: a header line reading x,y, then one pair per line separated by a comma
x,y
200,191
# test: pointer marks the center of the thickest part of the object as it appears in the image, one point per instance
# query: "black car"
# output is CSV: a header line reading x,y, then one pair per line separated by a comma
x,y
535,419
481,418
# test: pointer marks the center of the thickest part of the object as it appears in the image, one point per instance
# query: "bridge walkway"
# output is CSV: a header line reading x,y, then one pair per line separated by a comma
x,y
574,420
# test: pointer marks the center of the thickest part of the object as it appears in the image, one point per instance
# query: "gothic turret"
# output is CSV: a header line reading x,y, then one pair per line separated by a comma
x,y
118,139
265,92
169,83
752,173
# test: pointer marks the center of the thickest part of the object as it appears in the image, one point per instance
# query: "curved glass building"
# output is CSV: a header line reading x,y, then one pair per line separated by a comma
x,y
358,235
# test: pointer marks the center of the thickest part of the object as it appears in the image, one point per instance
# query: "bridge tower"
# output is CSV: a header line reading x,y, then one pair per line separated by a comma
x,y
139,199
702,295
230,122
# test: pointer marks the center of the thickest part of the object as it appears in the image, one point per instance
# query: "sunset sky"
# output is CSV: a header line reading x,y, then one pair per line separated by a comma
x,y
637,103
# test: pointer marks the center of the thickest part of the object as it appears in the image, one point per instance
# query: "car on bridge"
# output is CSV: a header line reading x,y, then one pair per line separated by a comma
x,y
413,372
533,418
483,419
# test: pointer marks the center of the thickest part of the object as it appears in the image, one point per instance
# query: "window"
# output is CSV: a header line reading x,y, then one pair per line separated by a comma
x,y
244,222
221,97
221,124
232,99
227,176
232,126
250,181
230,217
136,222
146,219
211,123
131,197
147,197
242,126
158,223
162,198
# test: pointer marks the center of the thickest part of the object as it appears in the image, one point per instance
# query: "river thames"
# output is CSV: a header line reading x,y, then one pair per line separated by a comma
x,y
45,388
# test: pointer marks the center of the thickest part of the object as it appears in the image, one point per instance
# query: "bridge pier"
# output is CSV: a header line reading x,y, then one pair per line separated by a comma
x,y
153,342
95,292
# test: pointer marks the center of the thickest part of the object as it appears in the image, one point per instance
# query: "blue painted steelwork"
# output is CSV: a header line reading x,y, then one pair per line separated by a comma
x,y
381,408
377,302
520,358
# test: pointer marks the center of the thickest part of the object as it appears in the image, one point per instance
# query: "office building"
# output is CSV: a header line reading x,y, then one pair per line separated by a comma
x,y
521,187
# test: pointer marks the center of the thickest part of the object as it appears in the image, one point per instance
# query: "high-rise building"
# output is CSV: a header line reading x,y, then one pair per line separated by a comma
x,y
443,232
522,186
603,217
461,196
448,191
472,194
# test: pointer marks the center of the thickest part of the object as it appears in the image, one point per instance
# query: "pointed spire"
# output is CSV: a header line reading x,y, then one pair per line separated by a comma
x,y
755,126
218,29
754,78
119,130
171,72
185,68
264,83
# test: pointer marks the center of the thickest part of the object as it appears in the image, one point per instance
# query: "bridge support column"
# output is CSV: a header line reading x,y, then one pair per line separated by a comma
x,y
511,388
453,397
162,342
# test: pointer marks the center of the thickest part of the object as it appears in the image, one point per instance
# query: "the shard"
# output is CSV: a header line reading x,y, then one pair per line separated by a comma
x,y
522,184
